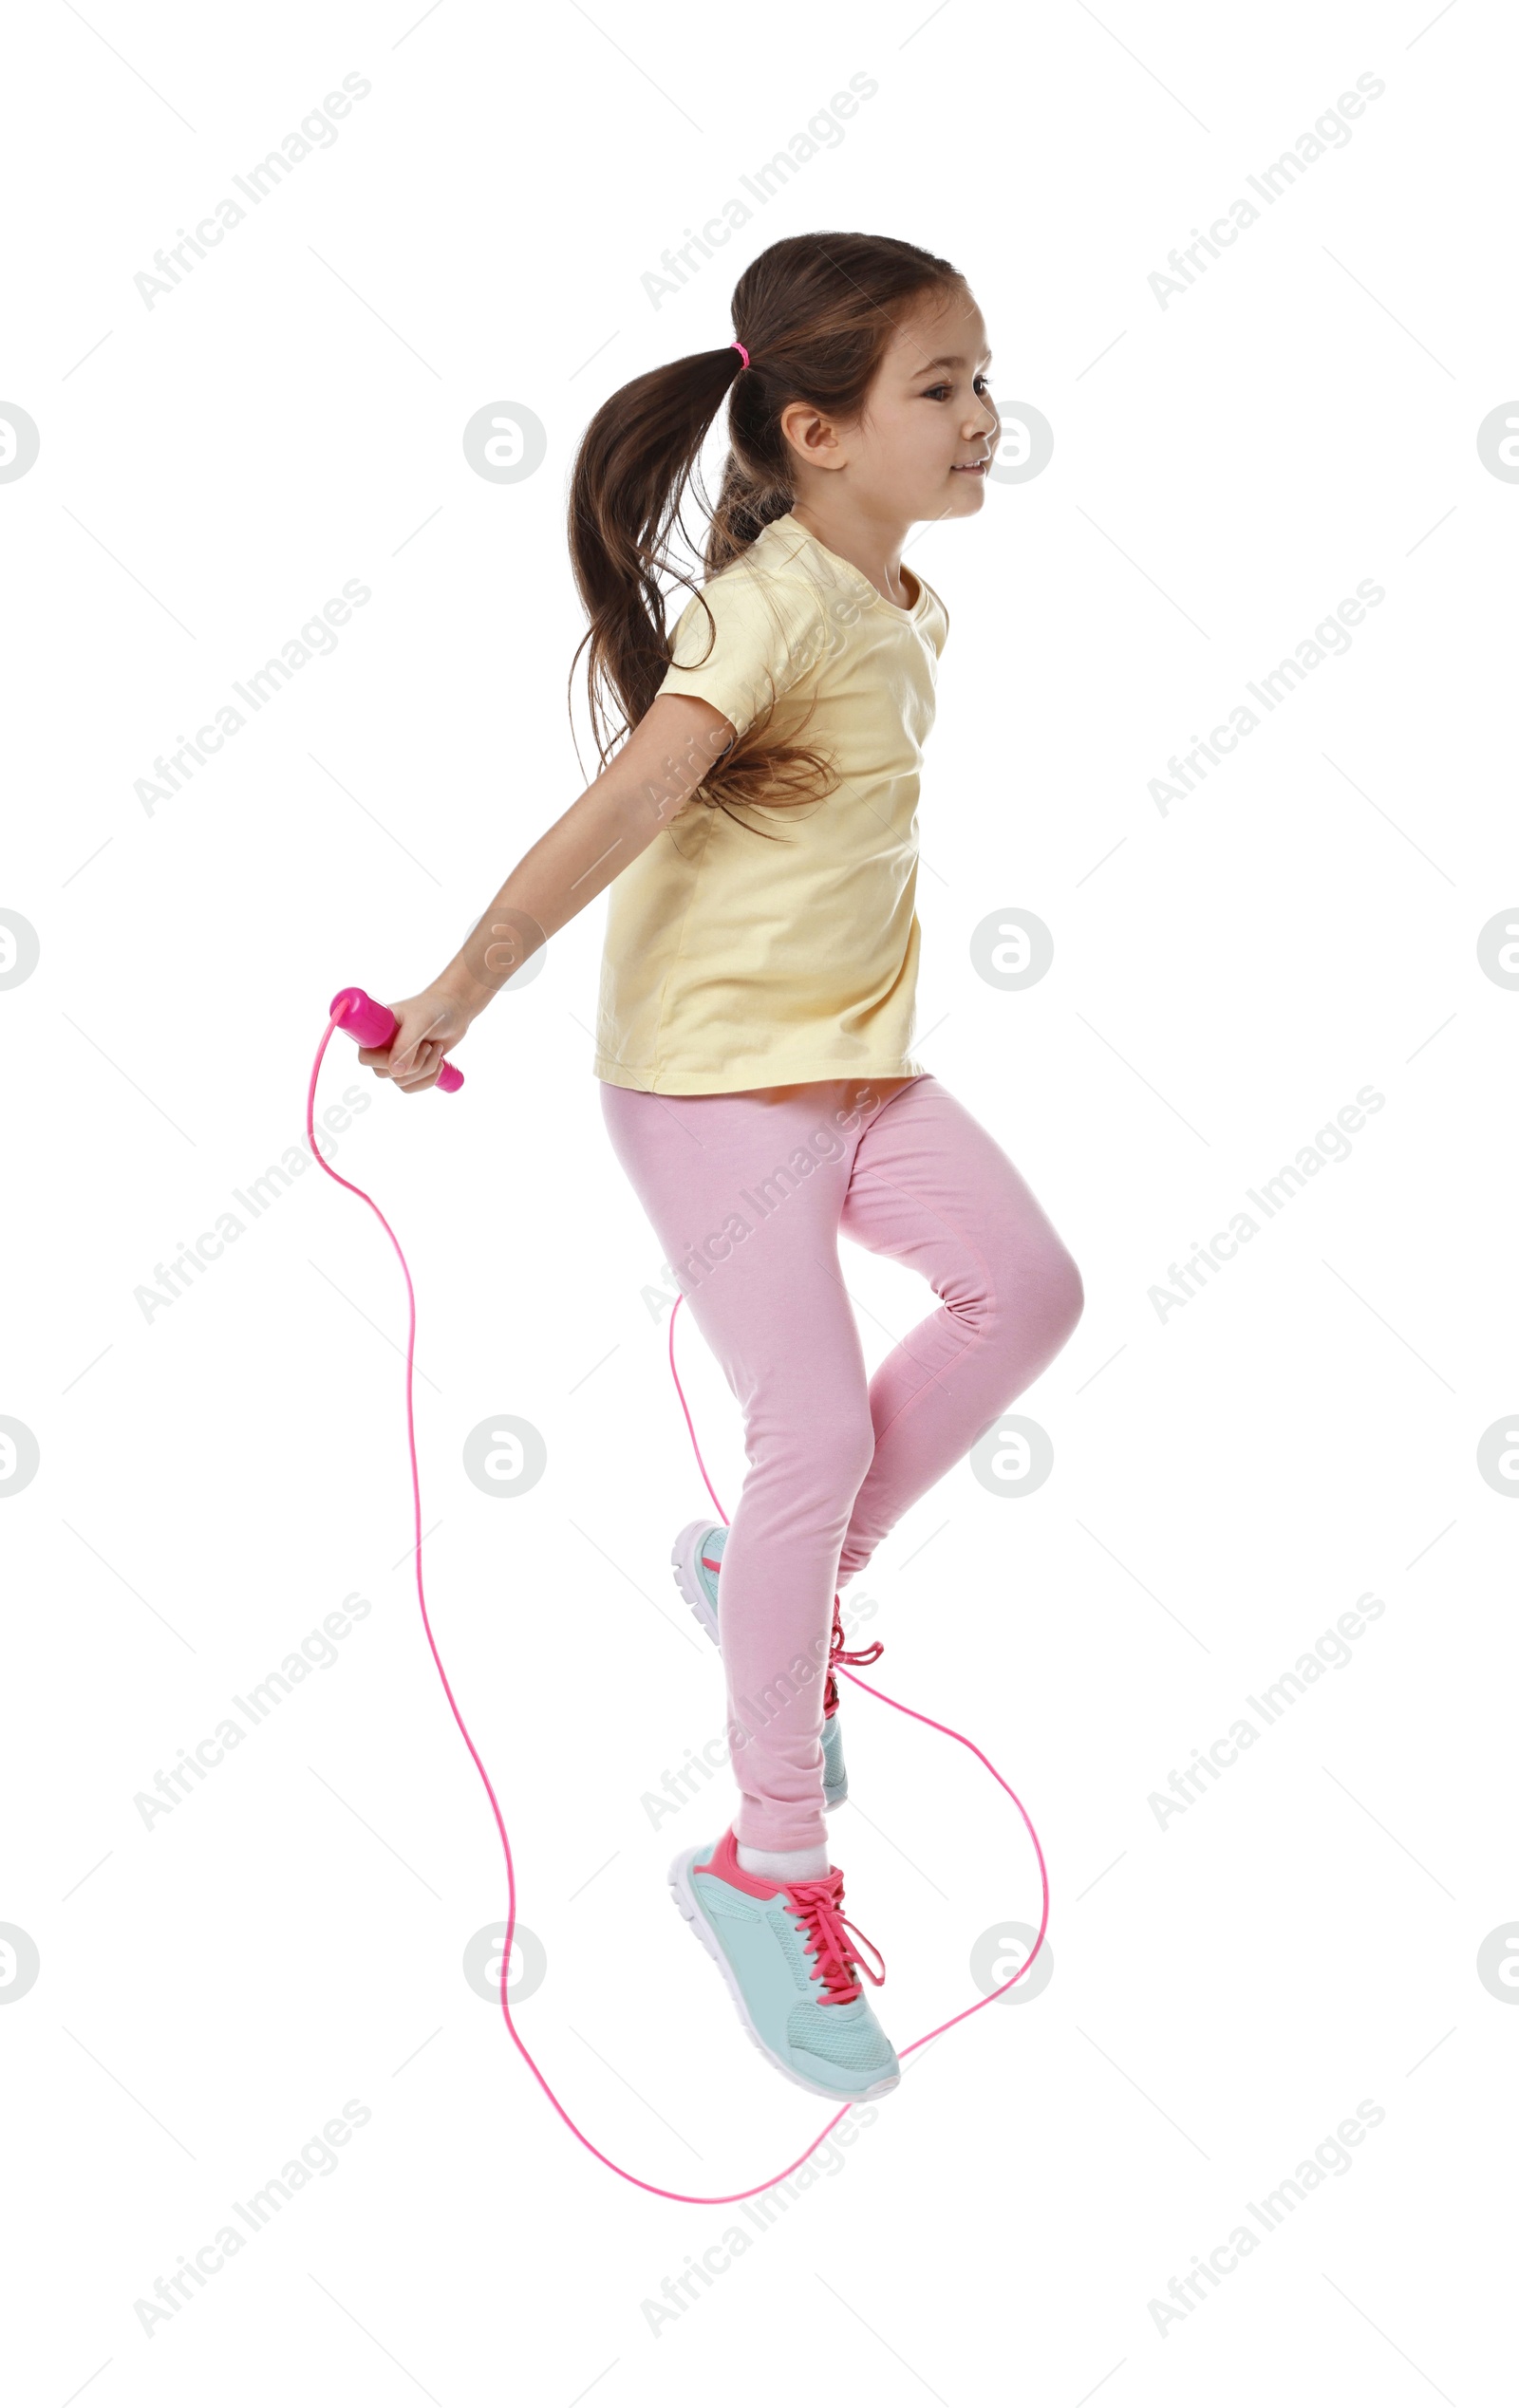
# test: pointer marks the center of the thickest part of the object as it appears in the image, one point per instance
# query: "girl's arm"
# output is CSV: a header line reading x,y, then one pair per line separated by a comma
x,y
659,767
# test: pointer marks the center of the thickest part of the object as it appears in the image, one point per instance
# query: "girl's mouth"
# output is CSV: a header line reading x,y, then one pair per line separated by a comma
x,y
970,468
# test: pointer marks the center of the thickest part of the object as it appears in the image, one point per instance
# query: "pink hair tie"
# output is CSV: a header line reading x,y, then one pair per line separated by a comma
x,y
742,352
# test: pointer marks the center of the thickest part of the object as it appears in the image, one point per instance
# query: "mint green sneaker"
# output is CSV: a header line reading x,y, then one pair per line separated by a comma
x,y
782,1950
696,1555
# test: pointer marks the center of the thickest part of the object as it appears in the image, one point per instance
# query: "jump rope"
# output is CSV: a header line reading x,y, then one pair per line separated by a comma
x,y
374,1025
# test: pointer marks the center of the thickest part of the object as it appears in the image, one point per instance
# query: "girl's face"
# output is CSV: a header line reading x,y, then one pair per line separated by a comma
x,y
929,426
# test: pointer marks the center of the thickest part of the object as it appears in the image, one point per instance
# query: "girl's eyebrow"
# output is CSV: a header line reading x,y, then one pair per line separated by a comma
x,y
950,359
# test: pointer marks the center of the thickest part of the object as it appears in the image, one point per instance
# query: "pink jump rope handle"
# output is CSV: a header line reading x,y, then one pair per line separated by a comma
x,y
372,1024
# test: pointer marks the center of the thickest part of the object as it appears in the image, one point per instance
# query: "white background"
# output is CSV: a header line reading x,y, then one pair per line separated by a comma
x,y
1227,1481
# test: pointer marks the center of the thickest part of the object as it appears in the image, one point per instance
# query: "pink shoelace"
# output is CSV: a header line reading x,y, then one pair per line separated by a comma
x,y
820,1906
839,1654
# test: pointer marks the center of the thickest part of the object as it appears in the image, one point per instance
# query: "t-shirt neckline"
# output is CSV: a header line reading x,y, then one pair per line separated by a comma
x,y
789,518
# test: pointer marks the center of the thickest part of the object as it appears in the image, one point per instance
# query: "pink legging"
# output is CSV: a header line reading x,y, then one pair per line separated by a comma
x,y
748,1193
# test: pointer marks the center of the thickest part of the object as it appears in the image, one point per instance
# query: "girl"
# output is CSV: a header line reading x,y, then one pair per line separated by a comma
x,y
756,826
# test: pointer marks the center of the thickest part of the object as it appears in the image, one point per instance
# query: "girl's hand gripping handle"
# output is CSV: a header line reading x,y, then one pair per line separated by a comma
x,y
408,1045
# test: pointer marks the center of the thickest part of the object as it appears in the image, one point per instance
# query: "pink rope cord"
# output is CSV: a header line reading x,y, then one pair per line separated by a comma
x,y
686,2198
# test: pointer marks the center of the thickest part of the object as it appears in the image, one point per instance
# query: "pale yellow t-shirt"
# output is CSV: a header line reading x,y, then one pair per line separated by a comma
x,y
734,960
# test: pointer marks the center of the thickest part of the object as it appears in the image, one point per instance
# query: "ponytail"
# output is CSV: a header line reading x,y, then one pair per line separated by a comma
x,y
635,462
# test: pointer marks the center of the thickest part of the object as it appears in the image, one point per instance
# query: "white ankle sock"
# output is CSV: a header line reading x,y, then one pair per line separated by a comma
x,y
785,1864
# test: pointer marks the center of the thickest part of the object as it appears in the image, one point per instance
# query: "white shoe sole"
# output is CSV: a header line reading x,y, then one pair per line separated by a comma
x,y
683,1556
684,1896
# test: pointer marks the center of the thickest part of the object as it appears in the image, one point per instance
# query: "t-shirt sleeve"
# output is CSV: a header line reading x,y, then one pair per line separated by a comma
x,y
763,635
938,618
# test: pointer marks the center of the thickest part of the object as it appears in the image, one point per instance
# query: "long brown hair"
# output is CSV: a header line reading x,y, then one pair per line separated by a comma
x,y
816,313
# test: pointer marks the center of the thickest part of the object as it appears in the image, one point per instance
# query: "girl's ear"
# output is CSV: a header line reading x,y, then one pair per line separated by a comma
x,y
814,437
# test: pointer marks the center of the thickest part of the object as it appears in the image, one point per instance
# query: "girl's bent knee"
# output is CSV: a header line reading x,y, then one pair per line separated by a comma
x,y
1063,1297
1042,1306
1070,1292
